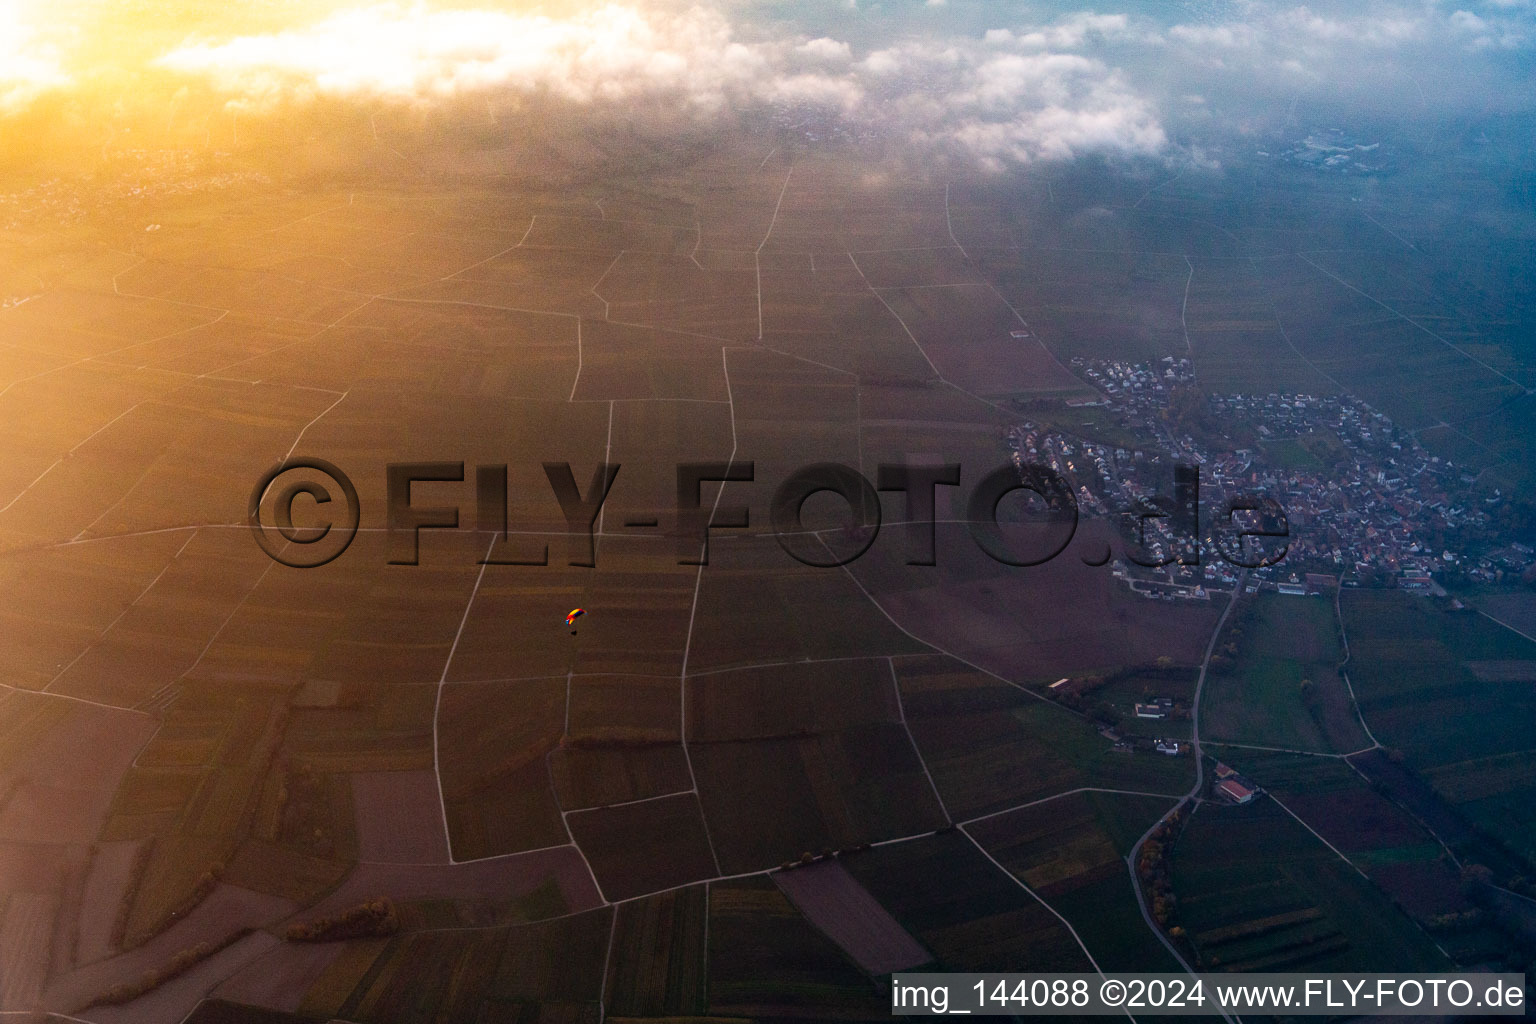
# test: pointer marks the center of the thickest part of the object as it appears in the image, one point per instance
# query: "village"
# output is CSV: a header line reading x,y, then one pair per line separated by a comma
x,y
1363,503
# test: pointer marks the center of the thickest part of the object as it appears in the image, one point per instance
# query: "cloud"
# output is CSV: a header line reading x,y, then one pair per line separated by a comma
x,y
29,67
1283,33
1374,30
826,49
1051,107
1019,89
1493,31
816,90
1221,37
1031,104
419,54
1402,59
1067,33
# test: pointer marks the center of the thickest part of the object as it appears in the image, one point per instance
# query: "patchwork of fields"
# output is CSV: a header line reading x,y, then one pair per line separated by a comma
x,y
728,792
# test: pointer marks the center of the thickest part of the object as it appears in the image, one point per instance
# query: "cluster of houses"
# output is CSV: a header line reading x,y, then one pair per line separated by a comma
x,y
1155,709
1361,499
1116,378
1130,744
1377,506
140,174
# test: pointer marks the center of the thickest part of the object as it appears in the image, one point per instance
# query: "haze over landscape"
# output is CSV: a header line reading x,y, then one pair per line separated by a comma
x,y
1289,246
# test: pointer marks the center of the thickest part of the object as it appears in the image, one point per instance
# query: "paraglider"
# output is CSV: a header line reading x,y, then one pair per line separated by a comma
x,y
570,620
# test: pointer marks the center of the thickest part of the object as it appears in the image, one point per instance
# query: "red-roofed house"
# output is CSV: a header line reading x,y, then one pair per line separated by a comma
x,y
1235,790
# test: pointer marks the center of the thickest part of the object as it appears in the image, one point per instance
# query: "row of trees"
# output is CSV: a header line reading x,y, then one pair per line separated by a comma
x,y
371,920
1152,868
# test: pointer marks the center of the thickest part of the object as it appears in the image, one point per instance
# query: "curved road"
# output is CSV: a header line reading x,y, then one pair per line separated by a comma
x,y
1194,742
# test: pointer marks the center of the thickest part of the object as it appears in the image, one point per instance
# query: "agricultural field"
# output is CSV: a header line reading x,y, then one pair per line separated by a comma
x,y
1012,621
1072,851
728,791
982,918
1515,609
824,749
1257,892
765,959
991,746
1147,684
640,848
1421,671
497,792
1100,305
1494,793
832,900
555,967
659,952
1380,837
1275,680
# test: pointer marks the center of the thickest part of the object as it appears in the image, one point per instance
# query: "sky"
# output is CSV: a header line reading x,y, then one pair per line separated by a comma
x,y
1000,84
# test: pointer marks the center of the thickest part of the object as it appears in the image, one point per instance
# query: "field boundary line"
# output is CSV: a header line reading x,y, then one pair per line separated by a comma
x,y
901,710
437,704
1512,629
1177,798
1405,317
1349,686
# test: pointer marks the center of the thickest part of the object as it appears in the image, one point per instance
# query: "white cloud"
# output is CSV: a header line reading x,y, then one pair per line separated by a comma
x,y
819,90
1059,133
1067,33
1076,83
1032,101
1378,29
1466,21
415,54
883,62
29,67
1043,79
1497,30
826,49
1223,37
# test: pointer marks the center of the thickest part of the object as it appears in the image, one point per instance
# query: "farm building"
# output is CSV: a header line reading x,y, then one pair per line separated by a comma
x,y
1235,791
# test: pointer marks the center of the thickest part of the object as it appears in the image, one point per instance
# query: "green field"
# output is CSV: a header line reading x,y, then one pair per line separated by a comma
x,y
1257,892
1496,793
1275,681
1312,453
1469,737
1381,838
1144,686
991,746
